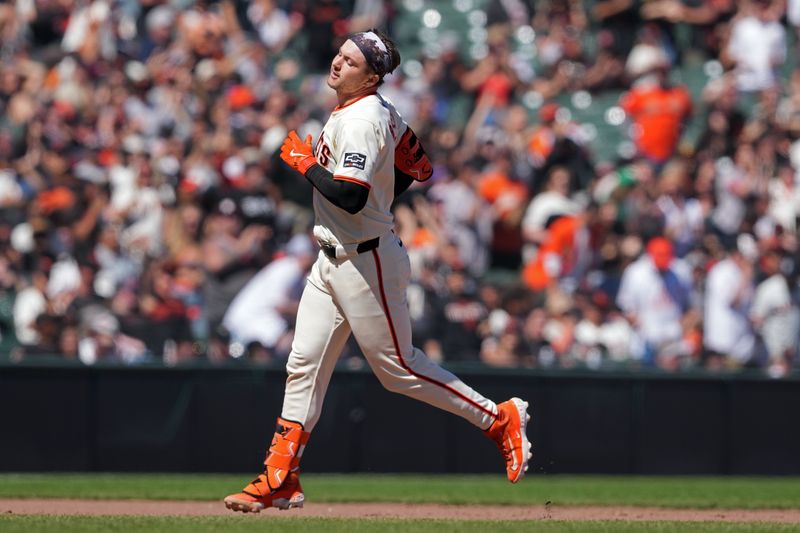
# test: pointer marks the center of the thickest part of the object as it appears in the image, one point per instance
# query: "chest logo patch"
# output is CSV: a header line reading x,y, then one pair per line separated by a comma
x,y
354,160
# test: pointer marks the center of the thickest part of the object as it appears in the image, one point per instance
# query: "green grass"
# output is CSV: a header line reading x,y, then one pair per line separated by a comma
x,y
669,492
252,524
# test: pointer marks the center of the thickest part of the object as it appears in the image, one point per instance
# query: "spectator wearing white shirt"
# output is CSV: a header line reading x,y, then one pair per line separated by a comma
x,y
793,13
90,33
29,304
275,27
728,335
757,46
258,312
773,315
784,199
654,295
733,183
683,215
602,330
554,201
464,217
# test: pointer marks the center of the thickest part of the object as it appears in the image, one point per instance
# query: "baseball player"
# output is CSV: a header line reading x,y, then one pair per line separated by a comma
x,y
365,156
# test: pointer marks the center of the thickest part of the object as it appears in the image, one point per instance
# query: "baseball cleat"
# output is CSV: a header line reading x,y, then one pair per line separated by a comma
x,y
257,495
509,434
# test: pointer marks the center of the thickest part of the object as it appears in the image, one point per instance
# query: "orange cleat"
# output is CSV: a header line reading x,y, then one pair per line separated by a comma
x,y
279,485
257,495
508,432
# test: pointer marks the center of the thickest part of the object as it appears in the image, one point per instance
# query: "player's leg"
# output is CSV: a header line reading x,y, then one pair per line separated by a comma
x,y
382,327
320,335
377,279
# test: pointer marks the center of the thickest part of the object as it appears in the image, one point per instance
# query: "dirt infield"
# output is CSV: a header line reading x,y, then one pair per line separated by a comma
x,y
397,510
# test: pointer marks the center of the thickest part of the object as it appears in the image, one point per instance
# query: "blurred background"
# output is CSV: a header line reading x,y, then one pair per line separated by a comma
x,y
615,182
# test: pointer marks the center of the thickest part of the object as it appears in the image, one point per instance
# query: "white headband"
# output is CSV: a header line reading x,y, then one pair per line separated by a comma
x,y
374,50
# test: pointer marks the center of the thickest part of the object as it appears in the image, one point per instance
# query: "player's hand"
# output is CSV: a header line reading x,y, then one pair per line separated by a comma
x,y
298,154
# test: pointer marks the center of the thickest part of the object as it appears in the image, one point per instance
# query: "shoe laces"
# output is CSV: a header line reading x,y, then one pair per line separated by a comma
x,y
501,443
505,450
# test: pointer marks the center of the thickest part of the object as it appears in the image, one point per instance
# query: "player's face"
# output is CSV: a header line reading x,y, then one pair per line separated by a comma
x,y
349,72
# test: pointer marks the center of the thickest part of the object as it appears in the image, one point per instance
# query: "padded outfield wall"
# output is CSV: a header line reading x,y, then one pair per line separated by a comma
x,y
76,418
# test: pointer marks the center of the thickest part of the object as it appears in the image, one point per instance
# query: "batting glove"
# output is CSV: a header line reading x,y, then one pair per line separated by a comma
x,y
298,154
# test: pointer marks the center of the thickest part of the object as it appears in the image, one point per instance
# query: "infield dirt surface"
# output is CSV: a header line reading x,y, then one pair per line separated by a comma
x,y
397,510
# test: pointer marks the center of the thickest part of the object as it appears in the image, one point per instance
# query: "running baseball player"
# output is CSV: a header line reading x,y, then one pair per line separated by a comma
x,y
365,156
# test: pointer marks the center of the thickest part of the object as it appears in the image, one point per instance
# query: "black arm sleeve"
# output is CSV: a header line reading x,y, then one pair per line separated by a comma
x,y
343,194
402,182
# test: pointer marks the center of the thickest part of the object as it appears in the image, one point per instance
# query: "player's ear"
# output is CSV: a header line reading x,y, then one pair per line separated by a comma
x,y
373,79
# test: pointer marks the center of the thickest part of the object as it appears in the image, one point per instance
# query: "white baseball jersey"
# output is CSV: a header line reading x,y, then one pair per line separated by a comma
x,y
365,293
357,144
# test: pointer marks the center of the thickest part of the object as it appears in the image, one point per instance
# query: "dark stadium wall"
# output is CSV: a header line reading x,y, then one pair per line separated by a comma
x,y
221,419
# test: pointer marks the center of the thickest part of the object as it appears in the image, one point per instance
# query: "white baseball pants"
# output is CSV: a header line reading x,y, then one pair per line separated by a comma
x,y
366,294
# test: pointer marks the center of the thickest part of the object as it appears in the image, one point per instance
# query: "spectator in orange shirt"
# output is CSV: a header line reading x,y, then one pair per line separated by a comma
x,y
508,198
543,137
497,186
658,111
562,256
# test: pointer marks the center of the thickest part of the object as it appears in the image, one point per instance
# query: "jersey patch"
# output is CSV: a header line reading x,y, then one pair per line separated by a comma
x,y
354,160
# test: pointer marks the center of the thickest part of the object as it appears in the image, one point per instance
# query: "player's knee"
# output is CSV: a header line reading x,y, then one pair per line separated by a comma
x,y
393,383
416,358
401,377
390,385
298,372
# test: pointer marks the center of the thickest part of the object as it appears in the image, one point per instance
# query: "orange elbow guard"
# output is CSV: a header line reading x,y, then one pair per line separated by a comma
x,y
410,157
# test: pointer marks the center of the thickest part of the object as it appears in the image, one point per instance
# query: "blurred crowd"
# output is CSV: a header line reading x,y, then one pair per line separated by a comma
x,y
145,215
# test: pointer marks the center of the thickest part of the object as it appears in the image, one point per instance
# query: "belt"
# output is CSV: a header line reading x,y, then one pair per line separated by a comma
x,y
362,247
